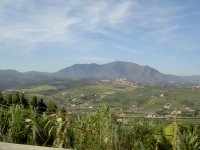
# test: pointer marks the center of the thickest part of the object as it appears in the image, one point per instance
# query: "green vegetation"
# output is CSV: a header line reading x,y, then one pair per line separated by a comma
x,y
98,130
147,97
132,99
19,99
33,116
39,88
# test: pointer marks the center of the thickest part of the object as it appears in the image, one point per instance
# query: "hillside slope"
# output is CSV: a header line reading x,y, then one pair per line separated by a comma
x,y
117,69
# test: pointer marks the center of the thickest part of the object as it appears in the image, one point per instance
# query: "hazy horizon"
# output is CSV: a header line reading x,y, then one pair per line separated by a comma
x,y
50,35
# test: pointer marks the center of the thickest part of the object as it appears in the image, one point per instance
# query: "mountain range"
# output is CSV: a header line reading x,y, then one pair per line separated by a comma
x,y
110,71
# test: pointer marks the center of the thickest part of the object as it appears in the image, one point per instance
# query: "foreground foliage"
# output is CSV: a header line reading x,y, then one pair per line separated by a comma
x,y
99,130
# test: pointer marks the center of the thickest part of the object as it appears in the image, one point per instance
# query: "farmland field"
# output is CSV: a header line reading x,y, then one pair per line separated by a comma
x,y
146,98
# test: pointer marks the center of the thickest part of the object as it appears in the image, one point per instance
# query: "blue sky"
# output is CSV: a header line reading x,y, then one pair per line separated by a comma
x,y
48,35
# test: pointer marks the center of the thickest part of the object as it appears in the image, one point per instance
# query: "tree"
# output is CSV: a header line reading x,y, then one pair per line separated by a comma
x,y
16,99
24,101
42,107
1,98
4,102
52,107
34,102
9,99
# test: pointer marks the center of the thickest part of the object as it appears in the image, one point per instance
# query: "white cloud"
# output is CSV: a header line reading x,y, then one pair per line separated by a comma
x,y
128,49
162,35
119,13
25,24
34,26
97,15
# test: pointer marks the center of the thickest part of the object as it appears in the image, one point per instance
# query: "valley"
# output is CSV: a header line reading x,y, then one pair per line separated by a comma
x,y
122,95
80,104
